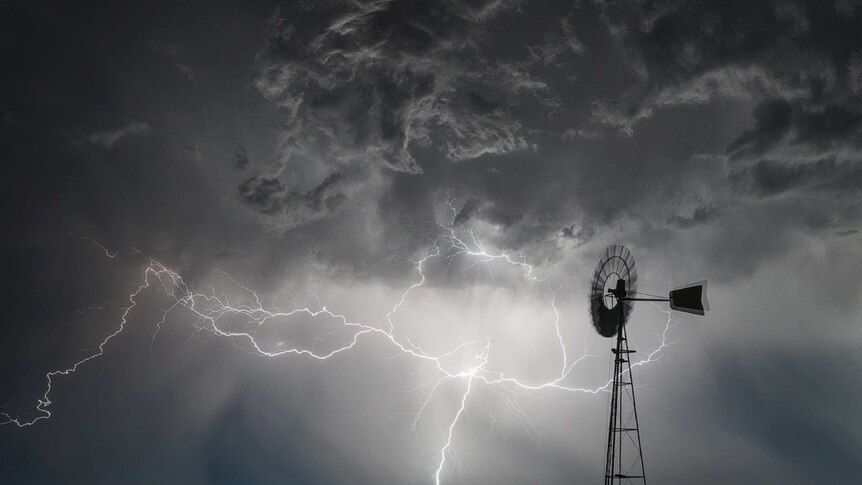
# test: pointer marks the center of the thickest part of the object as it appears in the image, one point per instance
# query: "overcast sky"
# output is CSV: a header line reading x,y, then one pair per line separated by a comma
x,y
442,178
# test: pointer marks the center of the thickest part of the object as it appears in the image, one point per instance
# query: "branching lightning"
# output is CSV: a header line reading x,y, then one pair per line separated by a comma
x,y
214,313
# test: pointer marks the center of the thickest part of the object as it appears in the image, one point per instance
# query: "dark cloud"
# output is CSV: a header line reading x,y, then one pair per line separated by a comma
x,y
688,53
265,194
173,53
772,122
579,234
375,79
717,139
700,215
468,210
501,217
109,138
828,124
240,159
804,421
777,119
771,178
474,208
768,178
787,74
270,196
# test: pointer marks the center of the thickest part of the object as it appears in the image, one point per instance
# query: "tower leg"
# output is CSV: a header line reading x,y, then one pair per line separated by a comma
x,y
623,427
612,424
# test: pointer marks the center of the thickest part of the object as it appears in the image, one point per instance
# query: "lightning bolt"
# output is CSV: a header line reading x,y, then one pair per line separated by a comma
x,y
213,313
93,242
44,402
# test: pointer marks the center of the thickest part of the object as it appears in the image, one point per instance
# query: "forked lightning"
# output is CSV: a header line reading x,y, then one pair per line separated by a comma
x,y
212,311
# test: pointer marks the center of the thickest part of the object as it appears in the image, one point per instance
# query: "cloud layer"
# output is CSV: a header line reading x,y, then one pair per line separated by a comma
x,y
315,150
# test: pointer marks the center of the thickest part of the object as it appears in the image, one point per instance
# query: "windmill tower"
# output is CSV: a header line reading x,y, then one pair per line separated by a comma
x,y
612,295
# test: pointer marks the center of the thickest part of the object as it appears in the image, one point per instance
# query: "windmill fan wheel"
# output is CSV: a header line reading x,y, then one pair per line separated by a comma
x,y
617,263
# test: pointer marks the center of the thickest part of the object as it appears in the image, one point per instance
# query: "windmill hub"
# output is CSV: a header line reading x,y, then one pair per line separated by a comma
x,y
618,291
610,298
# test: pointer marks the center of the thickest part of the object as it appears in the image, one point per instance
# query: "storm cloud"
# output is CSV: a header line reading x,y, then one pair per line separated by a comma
x,y
315,151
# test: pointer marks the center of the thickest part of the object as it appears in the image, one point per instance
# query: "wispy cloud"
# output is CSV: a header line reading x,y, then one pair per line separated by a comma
x,y
110,138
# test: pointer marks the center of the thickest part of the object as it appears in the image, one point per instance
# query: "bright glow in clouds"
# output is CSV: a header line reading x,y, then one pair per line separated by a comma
x,y
489,344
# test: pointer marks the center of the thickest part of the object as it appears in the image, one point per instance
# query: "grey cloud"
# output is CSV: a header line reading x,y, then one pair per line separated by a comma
x,y
580,234
110,137
381,85
700,215
194,151
358,96
776,120
804,422
363,119
731,82
487,211
555,44
351,99
468,210
172,52
270,196
772,122
501,217
768,178
240,158
488,134
829,123
262,193
481,105
771,178
685,58
572,40
791,63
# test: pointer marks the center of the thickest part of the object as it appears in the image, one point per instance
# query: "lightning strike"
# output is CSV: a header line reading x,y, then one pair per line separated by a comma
x,y
93,242
451,431
211,311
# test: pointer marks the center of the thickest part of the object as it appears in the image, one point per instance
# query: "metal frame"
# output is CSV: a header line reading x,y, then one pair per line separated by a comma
x,y
618,429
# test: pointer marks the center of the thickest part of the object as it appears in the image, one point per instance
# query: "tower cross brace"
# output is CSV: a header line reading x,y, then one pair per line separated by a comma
x,y
623,429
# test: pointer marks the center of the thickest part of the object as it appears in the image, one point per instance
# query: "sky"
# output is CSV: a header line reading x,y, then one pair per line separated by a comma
x,y
327,242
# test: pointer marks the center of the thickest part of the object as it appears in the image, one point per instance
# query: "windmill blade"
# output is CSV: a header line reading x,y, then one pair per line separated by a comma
x,y
690,298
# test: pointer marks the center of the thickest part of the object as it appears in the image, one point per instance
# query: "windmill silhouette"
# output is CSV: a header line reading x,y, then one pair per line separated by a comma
x,y
613,292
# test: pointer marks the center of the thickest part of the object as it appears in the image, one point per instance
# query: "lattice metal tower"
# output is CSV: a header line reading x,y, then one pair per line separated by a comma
x,y
625,460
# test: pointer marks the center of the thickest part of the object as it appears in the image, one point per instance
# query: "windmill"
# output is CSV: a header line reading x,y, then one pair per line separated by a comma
x,y
613,291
